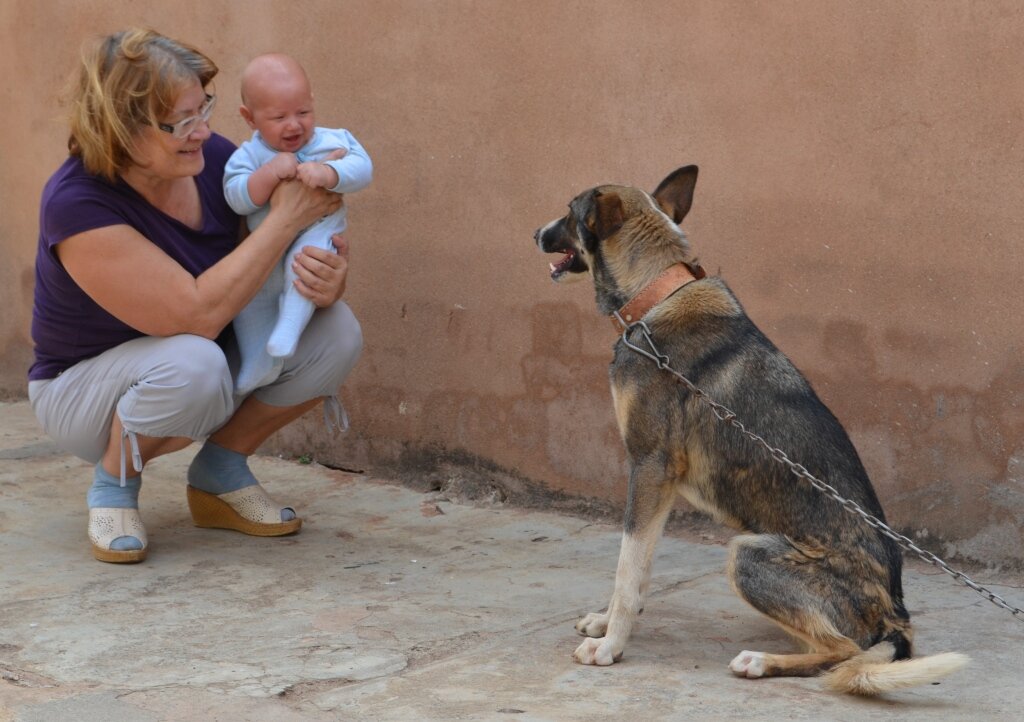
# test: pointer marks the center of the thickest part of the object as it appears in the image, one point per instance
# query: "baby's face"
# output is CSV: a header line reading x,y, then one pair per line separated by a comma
x,y
281,109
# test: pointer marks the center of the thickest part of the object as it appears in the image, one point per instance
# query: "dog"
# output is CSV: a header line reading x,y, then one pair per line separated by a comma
x,y
826,577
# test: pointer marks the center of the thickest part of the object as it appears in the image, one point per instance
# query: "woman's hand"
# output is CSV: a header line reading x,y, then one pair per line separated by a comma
x,y
302,205
322,275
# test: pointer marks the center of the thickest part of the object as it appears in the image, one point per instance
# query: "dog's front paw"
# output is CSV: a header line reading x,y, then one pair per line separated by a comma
x,y
594,624
748,664
596,651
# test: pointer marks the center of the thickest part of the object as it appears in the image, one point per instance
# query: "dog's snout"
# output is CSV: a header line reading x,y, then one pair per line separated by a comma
x,y
538,236
541,232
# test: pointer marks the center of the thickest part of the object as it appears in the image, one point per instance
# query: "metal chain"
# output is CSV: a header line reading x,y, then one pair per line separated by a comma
x,y
723,414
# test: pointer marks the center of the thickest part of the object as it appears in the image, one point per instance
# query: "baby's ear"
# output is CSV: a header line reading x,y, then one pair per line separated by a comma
x,y
247,116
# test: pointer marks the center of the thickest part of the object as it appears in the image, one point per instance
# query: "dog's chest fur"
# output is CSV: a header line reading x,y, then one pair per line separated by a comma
x,y
656,414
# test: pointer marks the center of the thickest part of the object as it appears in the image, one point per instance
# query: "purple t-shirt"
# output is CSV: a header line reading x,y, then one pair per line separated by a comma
x,y
67,325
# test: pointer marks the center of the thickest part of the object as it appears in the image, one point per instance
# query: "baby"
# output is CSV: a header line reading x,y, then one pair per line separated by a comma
x,y
277,103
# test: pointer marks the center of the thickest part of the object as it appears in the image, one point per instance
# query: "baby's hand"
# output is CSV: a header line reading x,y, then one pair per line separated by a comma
x,y
285,165
336,154
317,175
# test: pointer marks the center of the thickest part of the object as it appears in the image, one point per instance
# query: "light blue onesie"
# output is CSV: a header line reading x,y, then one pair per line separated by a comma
x,y
269,327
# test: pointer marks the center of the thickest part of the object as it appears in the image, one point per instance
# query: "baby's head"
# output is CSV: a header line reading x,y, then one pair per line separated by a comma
x,y
277,101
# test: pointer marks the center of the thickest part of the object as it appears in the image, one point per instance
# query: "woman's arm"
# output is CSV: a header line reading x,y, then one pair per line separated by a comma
x,y
145,288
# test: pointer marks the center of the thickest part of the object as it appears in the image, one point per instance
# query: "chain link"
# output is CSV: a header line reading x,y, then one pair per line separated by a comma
x,y
724,414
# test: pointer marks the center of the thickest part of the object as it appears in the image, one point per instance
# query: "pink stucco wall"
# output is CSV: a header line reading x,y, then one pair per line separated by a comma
x,y
860,191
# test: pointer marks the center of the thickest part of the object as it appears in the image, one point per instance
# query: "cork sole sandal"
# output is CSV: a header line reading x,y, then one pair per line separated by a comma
x,y
106,525
250,510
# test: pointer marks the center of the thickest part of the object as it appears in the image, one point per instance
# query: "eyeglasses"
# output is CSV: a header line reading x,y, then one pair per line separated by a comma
x,y
183,128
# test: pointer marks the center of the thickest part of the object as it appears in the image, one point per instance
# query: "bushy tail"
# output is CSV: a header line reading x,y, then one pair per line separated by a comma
x,y
874,672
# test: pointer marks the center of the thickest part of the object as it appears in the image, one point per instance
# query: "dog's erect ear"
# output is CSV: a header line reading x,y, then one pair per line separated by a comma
x,y
675,193
606,214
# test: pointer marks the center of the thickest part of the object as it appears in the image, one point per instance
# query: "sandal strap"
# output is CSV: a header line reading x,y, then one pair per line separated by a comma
x,y
107,524
255,504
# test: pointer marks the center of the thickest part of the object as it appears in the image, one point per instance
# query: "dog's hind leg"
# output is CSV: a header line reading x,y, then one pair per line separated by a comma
x,y
801,595
646,512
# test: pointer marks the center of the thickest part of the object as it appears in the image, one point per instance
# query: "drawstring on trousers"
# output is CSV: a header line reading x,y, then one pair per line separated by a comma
x,y
133,442
335,416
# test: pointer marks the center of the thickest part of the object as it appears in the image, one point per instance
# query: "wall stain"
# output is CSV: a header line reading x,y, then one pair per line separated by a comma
x,y
946,460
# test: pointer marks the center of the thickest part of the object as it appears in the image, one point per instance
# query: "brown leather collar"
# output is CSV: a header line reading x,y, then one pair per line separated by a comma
x,y
668,282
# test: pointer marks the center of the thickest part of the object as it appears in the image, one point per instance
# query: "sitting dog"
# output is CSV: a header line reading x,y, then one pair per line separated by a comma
x,y
821,573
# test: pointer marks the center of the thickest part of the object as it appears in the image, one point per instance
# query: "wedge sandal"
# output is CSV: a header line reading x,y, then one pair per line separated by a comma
x,y
250,510
107,524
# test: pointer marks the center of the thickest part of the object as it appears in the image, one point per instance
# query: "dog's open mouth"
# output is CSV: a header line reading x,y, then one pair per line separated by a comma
x,y
563,266
553,238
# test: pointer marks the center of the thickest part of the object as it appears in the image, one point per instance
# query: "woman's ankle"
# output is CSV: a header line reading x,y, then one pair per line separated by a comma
x,y
106,491
218,470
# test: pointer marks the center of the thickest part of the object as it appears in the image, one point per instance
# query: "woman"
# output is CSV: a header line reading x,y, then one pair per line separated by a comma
x,y
139,273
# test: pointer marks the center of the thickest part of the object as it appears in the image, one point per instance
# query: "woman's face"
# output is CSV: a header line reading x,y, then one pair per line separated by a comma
x,y
159,154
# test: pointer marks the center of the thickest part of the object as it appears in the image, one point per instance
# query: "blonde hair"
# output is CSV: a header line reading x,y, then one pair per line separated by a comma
x,y
127,81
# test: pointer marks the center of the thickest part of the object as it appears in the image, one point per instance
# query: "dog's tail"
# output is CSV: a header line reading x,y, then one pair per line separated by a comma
x,y
874,671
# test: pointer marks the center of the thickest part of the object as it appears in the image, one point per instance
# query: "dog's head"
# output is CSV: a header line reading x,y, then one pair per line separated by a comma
x,y
621,235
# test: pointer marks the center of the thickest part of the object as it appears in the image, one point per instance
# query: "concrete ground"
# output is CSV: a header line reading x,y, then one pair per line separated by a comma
x,y
397,605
